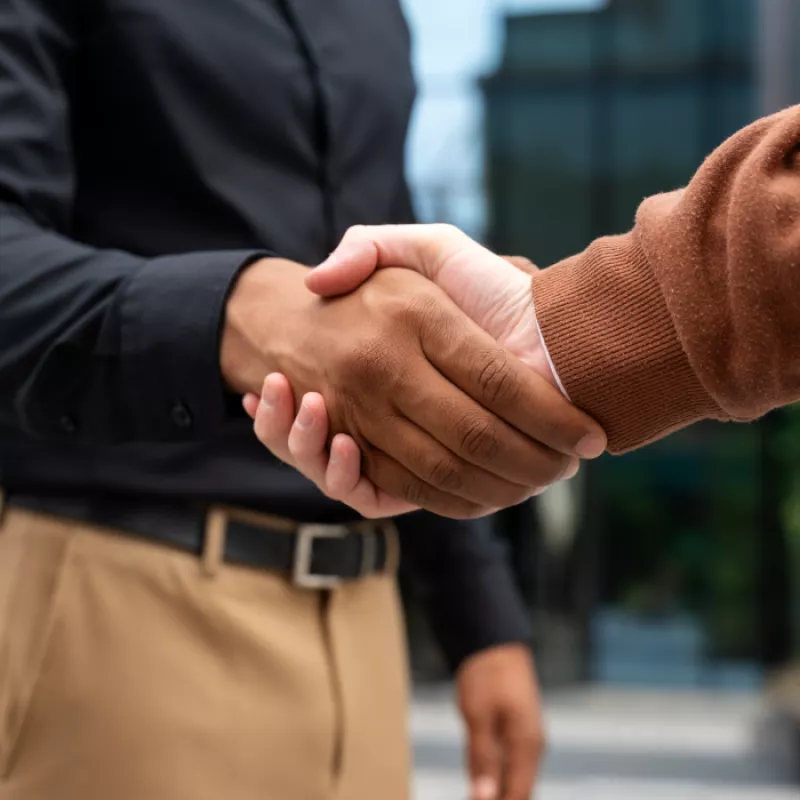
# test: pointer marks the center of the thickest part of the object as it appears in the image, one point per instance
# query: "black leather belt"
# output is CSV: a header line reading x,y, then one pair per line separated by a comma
x,y
313,556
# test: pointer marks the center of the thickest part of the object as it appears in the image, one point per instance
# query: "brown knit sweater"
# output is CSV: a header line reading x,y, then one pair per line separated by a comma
x,y
695,313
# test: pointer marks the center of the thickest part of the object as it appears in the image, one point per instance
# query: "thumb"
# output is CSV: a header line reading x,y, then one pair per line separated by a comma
x,y
483,756
347,267
421,248
492,291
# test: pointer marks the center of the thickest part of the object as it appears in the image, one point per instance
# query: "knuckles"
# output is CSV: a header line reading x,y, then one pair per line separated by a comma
x,y
497,379
414,492
446,474
422,313
478,437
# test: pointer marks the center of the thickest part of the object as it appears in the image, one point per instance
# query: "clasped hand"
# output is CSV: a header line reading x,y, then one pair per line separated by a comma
x,y
424,384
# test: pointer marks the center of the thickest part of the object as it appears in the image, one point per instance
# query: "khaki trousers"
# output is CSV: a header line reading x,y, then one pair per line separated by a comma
x,y
128,673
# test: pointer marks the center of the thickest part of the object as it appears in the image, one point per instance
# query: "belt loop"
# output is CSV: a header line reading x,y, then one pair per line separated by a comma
x,y
392,547
369,547
214,541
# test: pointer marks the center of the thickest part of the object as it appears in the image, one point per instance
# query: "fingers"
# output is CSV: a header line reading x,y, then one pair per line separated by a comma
x,y
572,471
502,384
397,481
250,402
344,466
480,438
344,482
338,474
483,758
364,249
475,435
488,291
493,291
439,467
308,438
301,442
440,481
273,415
353,261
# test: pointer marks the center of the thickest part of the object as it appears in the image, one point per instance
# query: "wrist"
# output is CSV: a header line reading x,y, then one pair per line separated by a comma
x,y
543,363
527,344
495,654
259,317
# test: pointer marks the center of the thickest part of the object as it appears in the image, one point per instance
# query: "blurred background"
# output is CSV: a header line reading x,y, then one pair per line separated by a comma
x,y
664,586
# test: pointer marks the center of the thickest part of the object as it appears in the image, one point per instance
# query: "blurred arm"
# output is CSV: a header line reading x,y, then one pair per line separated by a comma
x,y
465,583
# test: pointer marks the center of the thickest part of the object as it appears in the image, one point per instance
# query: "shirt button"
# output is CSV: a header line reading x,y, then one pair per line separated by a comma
x,y
181,416
68,424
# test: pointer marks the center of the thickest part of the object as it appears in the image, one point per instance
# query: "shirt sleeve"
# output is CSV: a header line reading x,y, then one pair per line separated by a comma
x,y
464,580
98,344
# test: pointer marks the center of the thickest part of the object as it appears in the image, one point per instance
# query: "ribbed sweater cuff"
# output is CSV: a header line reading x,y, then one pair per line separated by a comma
x,y
606,325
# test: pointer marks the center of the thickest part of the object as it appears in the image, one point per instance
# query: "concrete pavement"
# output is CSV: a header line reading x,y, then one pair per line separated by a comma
x,y
622,745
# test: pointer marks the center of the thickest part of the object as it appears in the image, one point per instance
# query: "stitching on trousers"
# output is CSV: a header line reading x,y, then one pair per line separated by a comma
x,y
337,756
27,697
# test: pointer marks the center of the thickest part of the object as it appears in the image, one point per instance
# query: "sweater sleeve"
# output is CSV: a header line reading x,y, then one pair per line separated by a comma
x,y
695,313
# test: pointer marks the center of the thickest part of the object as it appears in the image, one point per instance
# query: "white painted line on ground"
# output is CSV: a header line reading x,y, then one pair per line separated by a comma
x,y
606,733
435,785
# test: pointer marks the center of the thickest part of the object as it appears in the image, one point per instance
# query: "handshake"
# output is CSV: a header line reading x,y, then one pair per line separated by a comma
x,y
461,382
422,377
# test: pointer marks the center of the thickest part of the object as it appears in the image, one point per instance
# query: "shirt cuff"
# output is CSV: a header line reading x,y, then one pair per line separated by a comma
x,y
486,612
171,317
612,340
546,351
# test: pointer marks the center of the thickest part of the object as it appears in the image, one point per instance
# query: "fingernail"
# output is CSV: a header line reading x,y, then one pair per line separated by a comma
x,y
305,418
572,471
591,446
269,395
484,789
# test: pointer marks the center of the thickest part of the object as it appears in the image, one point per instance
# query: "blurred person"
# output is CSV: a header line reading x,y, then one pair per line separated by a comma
x,y
180,614
694,314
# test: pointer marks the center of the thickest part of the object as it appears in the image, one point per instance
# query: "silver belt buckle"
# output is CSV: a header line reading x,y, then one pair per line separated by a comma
x,y
304,553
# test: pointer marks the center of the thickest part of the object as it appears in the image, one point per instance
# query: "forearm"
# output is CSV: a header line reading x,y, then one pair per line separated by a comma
x,y
696,313
466,584
267,300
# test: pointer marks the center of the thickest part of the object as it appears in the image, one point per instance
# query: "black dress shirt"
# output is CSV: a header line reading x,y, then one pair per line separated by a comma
x,y
149,150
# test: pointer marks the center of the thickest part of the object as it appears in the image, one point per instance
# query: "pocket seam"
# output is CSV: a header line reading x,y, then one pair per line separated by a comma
x,y
28,692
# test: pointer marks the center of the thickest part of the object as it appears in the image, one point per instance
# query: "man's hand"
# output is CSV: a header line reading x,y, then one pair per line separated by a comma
x,y
499,700
441,413
303,444
493,291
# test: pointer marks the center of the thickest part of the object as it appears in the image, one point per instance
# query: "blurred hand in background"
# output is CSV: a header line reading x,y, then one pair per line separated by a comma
x,y
498,697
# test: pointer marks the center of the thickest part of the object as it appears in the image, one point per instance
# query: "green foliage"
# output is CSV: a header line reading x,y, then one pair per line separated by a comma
x,y
681,532
787,451
788,447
